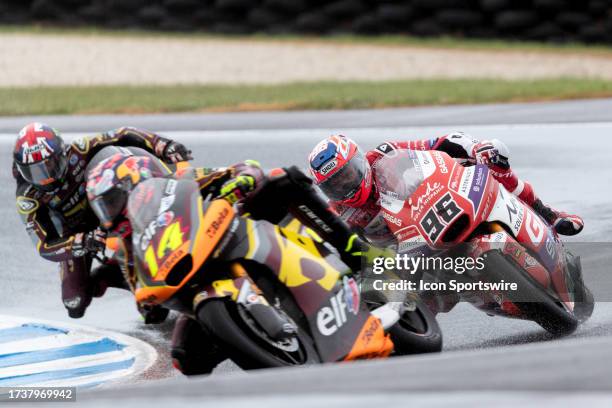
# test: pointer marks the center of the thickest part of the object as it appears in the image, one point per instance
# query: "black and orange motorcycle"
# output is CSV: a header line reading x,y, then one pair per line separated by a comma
x,y
269,291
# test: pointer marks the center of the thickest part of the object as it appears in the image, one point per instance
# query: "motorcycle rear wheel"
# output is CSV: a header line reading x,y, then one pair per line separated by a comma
x,y
542,308
244,346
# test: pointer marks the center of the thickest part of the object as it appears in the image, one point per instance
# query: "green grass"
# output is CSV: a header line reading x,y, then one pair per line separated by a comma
x,y
349,39
317,95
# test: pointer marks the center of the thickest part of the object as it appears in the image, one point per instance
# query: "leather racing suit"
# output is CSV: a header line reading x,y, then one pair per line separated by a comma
x,y
56,220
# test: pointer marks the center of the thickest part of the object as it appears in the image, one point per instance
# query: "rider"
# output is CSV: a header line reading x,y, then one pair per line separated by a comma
x,y
52,202
348,178
108,187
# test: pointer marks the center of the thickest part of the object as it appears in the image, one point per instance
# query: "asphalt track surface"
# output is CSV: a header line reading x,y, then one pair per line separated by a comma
x,y
562,148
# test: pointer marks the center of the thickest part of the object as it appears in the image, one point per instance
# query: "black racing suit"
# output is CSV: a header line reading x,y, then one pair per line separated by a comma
x,y
53,218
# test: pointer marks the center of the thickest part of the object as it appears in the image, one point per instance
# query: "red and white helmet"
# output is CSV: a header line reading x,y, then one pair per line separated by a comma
x,y
40,156
341,170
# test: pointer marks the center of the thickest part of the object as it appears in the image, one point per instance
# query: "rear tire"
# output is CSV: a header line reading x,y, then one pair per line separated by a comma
x,y
246,348
543,308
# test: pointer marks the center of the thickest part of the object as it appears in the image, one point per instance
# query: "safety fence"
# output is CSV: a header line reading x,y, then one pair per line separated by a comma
x,y
548,20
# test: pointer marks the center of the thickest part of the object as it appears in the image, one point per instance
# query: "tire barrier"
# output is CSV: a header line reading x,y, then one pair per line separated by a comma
x,y
543,20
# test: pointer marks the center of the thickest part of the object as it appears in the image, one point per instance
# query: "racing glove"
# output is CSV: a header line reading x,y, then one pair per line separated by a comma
x,y
493,154
173,152
359,253
237,188
89,242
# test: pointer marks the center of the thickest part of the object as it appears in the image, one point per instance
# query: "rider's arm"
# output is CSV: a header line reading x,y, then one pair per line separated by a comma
x,y
166,149
457,145
212,180
50,245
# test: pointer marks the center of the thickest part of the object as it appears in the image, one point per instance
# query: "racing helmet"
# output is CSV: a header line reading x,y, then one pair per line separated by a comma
x,y
110,182
341,171
40,156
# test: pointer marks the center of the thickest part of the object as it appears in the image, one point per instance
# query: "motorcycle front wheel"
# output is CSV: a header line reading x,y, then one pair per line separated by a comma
x,y
416,332
247,346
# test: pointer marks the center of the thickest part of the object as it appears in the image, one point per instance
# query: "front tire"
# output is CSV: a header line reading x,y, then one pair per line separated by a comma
x,y
417,332
542,308
247,348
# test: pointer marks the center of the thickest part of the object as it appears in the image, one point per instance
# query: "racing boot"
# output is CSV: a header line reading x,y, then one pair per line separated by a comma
x,y
77,287
562,222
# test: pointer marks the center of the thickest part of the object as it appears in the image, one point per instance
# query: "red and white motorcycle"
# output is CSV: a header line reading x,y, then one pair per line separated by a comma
x,y
430,200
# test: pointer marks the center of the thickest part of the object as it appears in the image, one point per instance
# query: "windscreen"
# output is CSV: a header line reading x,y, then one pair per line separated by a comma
x,y
398,174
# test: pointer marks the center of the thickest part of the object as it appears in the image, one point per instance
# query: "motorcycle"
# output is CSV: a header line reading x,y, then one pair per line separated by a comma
x,y
267,294
431,201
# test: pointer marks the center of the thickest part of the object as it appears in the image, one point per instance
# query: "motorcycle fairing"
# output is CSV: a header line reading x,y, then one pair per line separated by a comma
x,y
173,234
431,204
339,322
532,232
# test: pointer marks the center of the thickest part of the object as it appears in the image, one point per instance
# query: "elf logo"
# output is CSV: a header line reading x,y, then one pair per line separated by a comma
x,y
330,319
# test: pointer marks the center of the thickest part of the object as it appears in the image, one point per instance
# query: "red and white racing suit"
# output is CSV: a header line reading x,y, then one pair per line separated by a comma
x,y
368,221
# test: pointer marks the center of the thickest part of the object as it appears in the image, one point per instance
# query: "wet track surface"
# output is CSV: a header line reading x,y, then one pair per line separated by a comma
x,y
569,166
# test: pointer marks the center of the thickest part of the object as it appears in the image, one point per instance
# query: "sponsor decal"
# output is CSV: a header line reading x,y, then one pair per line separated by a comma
x,y
351,290
456,178
328,167
391,202
26,205
466,179
144,238
534,228
515,212
165,218
216,224
166,203
407,233
392,219
424,199
40,151
315,218
441,163
477,184
384,148
331,318
170,187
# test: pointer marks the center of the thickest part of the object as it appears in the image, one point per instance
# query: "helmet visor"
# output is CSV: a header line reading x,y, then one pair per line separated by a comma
x,y
108,206
345,183
45,172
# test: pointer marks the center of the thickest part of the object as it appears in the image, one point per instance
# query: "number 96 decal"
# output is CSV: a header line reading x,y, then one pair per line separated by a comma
x,y
442,213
